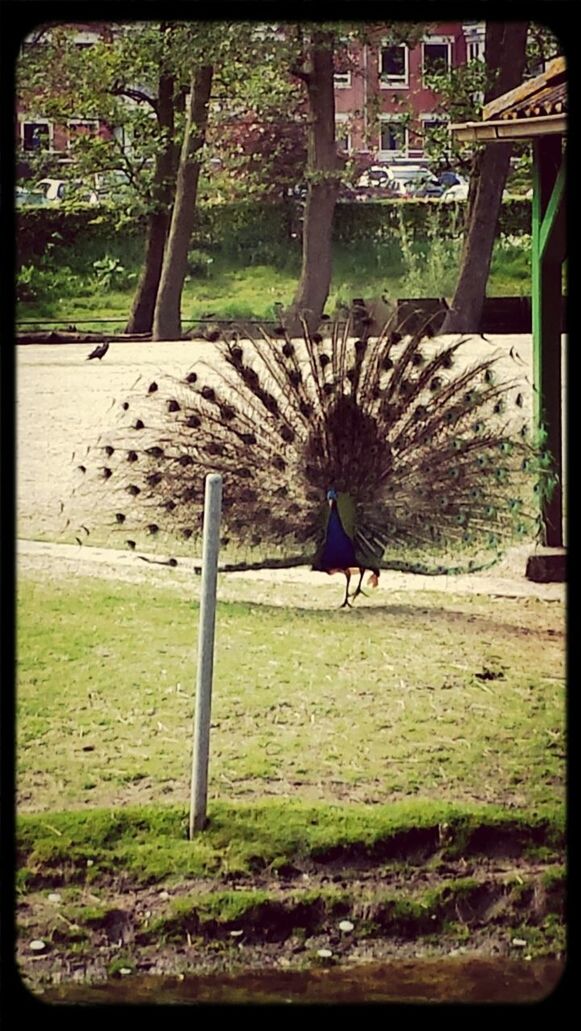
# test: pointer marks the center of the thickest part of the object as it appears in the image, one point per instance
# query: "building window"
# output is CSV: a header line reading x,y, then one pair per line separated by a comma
x,y
435,131
436,57
394,67
81,127
429,124
474,34
342,80
35,136
393,137
343,58
476,50
343,133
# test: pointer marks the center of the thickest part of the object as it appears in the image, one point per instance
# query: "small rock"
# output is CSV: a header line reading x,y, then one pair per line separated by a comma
x,y
54,897
37,945
324,953
164,894
236,934
520,943
125,970
346,925
90,862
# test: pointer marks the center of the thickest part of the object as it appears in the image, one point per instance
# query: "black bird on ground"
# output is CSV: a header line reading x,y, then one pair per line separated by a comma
x,y
380,452
99,352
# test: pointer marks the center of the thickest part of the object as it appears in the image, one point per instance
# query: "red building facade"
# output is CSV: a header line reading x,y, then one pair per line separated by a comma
x,y
383,104
35,131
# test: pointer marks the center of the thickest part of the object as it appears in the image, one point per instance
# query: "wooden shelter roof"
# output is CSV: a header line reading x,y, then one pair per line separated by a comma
x,y
546,94
538,107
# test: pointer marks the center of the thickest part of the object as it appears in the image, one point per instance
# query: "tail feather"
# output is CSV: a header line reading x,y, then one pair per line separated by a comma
x,y
432,449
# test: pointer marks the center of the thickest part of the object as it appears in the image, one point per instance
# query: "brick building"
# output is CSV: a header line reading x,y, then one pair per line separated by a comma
x,y
383,105
37,132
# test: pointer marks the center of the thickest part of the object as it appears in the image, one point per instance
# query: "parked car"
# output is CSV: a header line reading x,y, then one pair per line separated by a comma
x,y
29,198
412,181
459,192
298,192
449,178
429,188
114,185
58,190
376,175
372,193
347,193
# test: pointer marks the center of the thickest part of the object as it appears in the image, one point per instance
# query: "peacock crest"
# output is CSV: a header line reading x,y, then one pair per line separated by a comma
x,y
431,450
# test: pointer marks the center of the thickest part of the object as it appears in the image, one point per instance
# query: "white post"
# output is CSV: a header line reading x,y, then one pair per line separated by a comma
x,y
201,748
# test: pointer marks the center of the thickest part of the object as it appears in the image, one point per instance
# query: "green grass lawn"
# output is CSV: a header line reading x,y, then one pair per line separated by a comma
x,y
440,698
247,290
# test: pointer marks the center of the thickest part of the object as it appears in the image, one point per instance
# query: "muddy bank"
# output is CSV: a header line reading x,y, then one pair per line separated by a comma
x,y
492,912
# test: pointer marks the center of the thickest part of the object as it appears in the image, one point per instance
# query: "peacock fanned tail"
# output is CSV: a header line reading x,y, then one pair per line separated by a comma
x,y
432,451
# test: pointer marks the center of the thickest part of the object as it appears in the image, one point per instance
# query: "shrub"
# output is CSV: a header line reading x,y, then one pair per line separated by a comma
x,y
256,233
431,264
110,274
38,282
199,263
27,283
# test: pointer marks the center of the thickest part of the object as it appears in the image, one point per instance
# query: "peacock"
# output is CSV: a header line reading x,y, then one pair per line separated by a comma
x,y
356,454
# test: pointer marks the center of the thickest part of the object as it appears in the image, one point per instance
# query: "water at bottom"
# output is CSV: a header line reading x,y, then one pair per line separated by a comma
x,y
455,979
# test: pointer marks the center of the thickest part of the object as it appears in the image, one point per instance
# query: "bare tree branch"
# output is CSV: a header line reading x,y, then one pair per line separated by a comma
x,y
118,89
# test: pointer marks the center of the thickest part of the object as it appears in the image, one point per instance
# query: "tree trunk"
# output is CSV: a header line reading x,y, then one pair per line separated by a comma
x,y
141,318
323,163
167,314
506,54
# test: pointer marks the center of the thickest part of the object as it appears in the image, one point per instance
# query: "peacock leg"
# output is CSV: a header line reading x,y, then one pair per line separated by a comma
x,y
346,602
358,589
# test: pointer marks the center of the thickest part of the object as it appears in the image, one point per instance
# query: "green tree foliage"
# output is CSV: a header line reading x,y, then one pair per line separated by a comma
x,y
461,90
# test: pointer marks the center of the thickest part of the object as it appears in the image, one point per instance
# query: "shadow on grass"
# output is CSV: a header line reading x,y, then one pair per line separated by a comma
x,y
432,616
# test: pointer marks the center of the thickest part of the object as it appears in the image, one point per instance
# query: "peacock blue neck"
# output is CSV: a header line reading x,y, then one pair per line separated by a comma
x,y
339,551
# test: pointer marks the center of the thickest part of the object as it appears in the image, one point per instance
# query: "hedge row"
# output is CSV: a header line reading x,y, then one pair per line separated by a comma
x,y
238,228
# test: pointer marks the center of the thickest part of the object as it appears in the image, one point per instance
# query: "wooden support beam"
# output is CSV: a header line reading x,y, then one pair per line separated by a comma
x,y
548,249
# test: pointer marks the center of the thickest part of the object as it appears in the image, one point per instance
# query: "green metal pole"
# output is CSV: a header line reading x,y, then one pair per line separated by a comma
x,y
548,251
537,286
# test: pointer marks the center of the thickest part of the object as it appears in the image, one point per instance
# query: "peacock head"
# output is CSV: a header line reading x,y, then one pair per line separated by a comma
x,y
331,496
